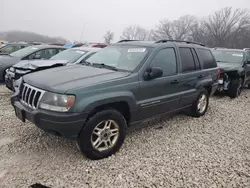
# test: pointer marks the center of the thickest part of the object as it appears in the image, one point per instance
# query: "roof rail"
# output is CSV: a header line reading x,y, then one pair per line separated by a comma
x,y
246,49
126,40
188,42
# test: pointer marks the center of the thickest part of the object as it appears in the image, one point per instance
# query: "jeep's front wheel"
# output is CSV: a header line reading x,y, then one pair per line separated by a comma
x,y
102,135
199,107
235,88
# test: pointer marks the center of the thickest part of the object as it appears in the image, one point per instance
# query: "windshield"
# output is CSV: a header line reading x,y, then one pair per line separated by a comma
x,y
25,51
228,56
71,55
120,57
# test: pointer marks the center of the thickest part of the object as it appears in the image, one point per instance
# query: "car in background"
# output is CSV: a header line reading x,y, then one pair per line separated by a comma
x,y
3,42
67,57
72,45
2,45
12,47
96,45
234,67
28,53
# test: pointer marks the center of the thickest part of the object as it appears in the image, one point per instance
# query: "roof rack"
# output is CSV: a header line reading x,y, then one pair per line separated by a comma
x,y
246,49
188,42
126,40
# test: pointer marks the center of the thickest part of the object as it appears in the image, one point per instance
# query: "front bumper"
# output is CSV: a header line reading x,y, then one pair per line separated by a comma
x,y
67,125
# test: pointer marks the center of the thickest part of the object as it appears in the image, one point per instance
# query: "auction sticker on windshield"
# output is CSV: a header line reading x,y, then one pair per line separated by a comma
x,y
137,50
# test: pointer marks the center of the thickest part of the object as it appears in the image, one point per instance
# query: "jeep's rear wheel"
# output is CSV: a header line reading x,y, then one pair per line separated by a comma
x,y
199,107
102,135
235,88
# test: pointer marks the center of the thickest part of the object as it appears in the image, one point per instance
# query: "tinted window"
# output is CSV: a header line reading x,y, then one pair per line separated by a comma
x,y
44,54
196,59
207,59
187,60
166,59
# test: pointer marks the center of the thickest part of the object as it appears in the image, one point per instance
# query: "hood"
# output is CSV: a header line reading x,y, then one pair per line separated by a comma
x,y
65,78
3,56
2,53
35,64
229,66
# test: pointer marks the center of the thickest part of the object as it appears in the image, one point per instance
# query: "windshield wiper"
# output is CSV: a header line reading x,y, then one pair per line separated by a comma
x,y
102,65
86,63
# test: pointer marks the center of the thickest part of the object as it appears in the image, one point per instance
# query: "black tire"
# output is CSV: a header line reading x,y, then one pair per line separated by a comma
x,y
235,88
195,111
248,87
84,142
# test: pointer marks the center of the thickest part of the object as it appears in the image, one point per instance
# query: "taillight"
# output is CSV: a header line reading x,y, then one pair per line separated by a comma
x,y
218,74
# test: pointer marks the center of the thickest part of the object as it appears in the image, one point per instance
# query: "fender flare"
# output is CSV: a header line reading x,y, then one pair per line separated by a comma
x,y
89,103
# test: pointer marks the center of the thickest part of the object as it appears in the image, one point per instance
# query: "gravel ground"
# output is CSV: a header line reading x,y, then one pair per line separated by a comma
x,y
212,151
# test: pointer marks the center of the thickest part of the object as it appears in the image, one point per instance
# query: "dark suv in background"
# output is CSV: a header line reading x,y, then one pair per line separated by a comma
x,y
234,67
123,84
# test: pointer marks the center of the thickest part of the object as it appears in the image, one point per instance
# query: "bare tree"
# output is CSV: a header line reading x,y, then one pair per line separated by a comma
x,y
226,25
180,29
108,37
135,32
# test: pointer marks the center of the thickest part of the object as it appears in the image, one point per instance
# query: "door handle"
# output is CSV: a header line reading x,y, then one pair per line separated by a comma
x,y
200,76
175,81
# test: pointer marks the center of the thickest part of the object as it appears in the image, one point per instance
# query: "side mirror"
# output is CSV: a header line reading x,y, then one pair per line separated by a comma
x,y
152,73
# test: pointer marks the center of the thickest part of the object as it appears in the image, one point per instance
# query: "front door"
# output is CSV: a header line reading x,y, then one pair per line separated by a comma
x,y
160,95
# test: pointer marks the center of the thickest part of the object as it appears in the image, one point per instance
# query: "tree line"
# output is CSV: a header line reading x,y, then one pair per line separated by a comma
x,y
226,27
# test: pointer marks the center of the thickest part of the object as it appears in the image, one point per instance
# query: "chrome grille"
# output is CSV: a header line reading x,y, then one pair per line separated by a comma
x,y
30,96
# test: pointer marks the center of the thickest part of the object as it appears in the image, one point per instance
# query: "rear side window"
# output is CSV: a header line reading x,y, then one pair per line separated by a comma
x,y
196,59
187,60
207,59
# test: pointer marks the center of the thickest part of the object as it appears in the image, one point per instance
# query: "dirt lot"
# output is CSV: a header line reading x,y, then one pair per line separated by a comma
x,y
212,151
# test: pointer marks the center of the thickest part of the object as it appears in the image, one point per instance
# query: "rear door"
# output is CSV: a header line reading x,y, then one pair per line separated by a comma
x,y
190,75
208,65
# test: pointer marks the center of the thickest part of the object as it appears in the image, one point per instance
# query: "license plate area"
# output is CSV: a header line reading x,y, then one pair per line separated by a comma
x,y
20,114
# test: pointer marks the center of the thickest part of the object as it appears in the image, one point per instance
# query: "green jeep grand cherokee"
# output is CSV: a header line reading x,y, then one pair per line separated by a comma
x,y
120,85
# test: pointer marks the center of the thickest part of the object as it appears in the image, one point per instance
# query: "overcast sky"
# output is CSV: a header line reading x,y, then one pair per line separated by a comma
x,y
69,18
